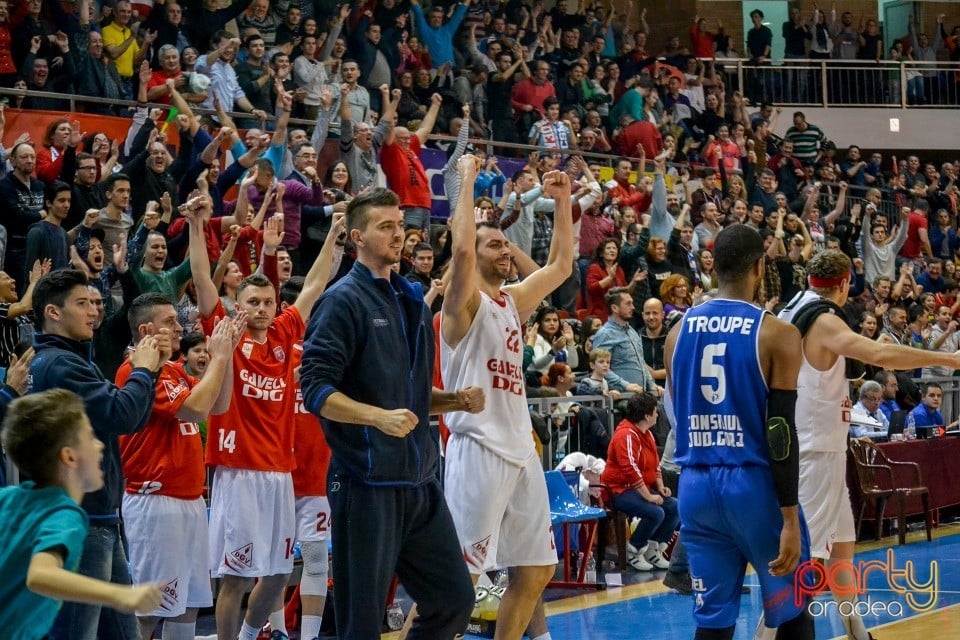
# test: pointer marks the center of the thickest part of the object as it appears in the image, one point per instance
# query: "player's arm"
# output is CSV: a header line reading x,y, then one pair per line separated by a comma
x,y
469,399
780,351
462,296
529,293
207,296
834,335
47,577
319,274
215,390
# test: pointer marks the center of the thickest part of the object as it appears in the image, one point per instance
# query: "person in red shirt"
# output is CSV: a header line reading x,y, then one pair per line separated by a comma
x,y
604,274
639,134
633,477
251,445
400,161
918,234
701,39
163,466
528,95
623,194
60,135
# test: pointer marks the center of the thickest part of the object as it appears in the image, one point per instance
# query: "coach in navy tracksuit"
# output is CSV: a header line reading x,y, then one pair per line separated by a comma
x,y
63,360
367,372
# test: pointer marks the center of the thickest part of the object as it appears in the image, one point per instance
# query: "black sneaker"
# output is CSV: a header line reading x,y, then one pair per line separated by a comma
x,y
680,582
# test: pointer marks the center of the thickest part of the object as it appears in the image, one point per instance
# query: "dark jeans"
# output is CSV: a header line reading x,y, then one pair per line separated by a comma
x,y
382,530
104,558
657,522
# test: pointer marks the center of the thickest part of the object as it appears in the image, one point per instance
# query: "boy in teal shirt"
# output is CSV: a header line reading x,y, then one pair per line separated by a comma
x,y
49,438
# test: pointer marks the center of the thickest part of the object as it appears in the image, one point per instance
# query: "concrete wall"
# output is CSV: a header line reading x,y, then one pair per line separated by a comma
x,y
920,129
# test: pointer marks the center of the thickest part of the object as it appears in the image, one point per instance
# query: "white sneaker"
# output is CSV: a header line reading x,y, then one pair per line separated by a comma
x,y
653,556
632,550
638,562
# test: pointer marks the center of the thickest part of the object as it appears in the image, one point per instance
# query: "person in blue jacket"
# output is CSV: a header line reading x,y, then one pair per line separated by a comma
x,y
368,374
437,36
63,359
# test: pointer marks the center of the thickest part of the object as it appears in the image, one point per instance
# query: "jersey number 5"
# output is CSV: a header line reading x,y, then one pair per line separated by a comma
x,y
710,369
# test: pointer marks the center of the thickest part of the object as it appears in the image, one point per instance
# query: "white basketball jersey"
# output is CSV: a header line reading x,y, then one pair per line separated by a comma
x,y
823,397
490,356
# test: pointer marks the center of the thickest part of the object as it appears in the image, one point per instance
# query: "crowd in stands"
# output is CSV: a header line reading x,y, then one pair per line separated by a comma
x,y
247,194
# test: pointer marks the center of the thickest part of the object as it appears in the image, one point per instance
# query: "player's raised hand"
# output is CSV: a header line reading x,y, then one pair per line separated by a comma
x,y
395,422
556,184
785,563
468,166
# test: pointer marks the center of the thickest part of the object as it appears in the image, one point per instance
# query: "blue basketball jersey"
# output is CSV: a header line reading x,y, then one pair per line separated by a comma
x,y
717,386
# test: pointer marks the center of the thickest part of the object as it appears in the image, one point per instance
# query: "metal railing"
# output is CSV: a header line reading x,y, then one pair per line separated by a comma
x,y
845,83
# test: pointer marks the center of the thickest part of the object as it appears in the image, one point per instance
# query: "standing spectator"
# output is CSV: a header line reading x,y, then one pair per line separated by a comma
x,y
166,18
383,474
623,342
400,161
603,275
59,134
86,193
54,74
808,140
217,63
263,19
499,89
15,314
549,132
96,75
357,96
701,40
437,36
206,21
120,42
375,49
21,200
922,51
917,243
62,304
255,74
151,170
529,96
47,241
796,35
759,46
360,143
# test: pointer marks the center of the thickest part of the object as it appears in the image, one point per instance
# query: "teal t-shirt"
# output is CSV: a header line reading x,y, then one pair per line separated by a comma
x,y
34,520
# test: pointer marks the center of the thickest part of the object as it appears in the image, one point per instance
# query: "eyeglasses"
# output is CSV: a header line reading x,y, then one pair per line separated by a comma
x,y
90,168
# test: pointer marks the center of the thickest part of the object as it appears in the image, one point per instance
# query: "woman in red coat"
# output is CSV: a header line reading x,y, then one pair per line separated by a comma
x,y
50,156
633,477
604,274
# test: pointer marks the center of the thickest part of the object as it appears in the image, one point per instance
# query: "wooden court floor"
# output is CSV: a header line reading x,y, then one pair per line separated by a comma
x,y
647,610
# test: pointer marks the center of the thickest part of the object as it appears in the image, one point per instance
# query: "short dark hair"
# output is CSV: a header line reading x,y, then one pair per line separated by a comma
x,y
614,296
264,167
190,340
54,288
52,189
142,309
83,155
255,280
640,406
736,250
358,211
113,179
37,427
290,290
550,102
421,246
756,12
931,385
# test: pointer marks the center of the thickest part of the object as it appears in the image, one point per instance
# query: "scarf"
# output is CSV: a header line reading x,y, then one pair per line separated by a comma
x,y
553,135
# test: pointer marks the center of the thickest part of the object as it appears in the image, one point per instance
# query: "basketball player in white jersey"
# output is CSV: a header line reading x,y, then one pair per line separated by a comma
x,y
823,414
494,482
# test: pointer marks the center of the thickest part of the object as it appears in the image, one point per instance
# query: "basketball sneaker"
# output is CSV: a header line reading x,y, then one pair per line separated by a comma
x,y
681,582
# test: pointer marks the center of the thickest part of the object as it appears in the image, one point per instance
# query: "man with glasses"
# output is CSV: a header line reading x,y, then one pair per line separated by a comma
x,y
85,192
871,394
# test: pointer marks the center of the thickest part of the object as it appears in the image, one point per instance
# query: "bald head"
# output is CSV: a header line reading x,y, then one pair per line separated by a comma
x,y
653,315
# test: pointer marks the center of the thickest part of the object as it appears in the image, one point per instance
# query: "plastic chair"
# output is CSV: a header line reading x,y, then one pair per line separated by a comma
x,y
566,509
876,479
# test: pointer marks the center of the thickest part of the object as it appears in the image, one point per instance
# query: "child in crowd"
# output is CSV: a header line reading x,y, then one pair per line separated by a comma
x,y
51,441
597,383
